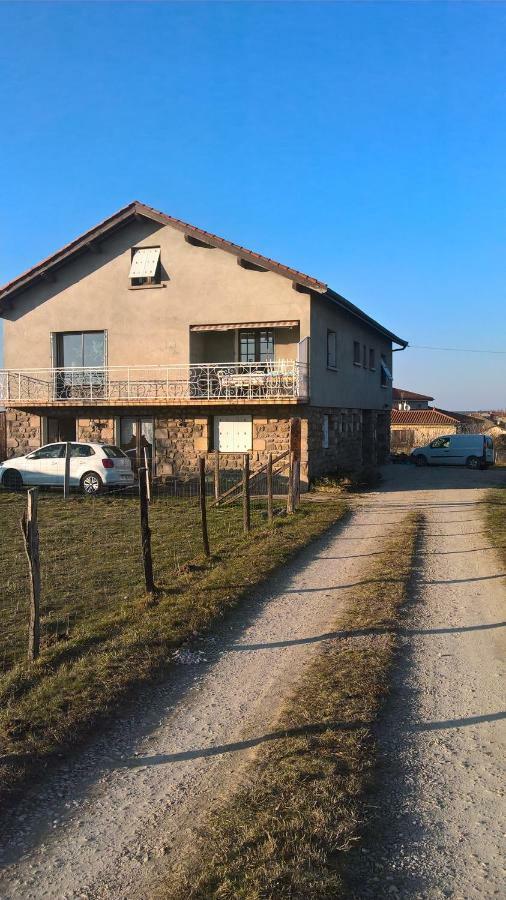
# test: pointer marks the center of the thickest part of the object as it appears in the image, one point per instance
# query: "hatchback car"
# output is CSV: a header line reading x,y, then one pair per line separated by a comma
x,y
92,467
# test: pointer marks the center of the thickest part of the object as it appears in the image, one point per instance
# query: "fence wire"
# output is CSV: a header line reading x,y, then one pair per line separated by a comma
x,y
90,552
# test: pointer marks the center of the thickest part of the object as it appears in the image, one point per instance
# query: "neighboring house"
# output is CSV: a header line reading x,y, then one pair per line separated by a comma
x,y
402,399
417,427
156,335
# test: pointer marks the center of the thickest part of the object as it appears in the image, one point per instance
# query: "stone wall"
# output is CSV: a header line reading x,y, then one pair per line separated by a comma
x,y
98,429
345,440
23,432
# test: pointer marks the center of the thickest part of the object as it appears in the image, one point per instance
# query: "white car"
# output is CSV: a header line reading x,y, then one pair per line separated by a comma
x,y
476,451
92,467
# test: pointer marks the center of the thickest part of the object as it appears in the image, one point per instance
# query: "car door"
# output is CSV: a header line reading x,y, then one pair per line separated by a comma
x,y
439,451
51,461
82,459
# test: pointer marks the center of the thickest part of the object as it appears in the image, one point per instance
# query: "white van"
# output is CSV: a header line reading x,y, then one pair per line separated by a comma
x,y
476,451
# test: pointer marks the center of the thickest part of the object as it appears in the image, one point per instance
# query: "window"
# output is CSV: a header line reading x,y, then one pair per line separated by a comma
x,y
80,349
356,353
113,452
52,451
385,375
146,266
325,432
331,350
364,356
233,434
81,450
256,345
440,443
372,359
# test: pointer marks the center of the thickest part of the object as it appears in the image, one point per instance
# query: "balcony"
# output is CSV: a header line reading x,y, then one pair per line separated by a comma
x,y
279,381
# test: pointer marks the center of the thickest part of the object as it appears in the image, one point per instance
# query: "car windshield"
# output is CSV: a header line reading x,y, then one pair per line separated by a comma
x,y
113,452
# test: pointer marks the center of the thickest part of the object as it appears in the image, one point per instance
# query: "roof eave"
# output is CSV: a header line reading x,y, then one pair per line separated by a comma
x,y
345,304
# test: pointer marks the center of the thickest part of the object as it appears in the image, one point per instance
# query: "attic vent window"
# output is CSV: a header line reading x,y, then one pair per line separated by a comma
x,y
145,267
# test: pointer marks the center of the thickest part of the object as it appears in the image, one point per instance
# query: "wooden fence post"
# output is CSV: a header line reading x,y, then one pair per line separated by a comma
x,y
217,476
148,475
296,485
290,499
269,488
30,531
66,477
245,494
203,511
145,531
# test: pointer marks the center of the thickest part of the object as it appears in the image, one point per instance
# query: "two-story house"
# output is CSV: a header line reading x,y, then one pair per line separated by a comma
x,y
151,333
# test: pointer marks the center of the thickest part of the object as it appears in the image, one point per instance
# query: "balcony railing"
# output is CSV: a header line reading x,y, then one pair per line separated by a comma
x,y
200,382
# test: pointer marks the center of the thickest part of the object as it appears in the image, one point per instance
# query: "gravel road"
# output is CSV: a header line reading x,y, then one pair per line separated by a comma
x,y
439,823
105,822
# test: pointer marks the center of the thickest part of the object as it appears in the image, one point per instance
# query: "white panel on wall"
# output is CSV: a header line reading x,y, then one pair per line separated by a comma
x,y
233,434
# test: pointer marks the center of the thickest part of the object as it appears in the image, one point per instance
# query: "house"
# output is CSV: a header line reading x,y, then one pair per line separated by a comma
x,y
418,427
402,399
154,334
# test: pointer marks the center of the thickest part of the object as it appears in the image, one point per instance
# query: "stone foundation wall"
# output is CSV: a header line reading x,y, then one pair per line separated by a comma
x,y
98,429
345,440
23,432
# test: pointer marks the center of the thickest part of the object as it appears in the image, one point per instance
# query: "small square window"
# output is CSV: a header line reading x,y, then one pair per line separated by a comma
x,y
331,350
356,353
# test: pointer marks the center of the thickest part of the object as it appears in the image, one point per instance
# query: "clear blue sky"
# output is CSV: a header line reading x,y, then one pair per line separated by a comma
x,y
364,143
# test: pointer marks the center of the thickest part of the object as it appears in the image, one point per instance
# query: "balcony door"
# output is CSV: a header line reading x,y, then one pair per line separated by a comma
x,y
256,345
80,360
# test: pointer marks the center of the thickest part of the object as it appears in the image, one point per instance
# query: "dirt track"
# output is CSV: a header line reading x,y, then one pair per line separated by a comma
x,y
103,825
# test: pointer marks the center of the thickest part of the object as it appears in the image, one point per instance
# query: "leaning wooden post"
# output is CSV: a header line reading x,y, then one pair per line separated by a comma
x,y
245,494
66,477
289,499
202,497
217,476
269,488
30,531
145,531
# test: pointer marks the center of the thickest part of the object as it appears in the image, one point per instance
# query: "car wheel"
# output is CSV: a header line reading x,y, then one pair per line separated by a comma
x,y
473,462
12,480
420,459
91,483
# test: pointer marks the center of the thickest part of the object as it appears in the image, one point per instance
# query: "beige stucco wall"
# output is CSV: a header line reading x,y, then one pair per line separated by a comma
x,y
349,385
151,325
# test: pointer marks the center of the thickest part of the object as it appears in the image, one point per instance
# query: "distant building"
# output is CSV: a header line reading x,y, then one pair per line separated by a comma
x,y
402,399
414,423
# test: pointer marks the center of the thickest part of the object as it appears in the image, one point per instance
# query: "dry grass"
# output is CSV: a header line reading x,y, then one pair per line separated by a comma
x,y
495,518
285,833
119,639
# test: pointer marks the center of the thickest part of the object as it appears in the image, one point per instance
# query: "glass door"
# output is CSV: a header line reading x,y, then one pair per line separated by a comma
x,y
136,440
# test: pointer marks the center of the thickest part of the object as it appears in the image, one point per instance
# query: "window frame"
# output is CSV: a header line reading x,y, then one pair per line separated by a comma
x,y
256,332
331,333
58,337
357,353
372,359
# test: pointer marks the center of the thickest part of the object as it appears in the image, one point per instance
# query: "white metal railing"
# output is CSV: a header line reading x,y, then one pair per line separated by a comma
x,y
279,379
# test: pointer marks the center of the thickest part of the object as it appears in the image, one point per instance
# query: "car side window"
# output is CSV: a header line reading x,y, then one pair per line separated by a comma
x,y
51,451
81,450
440,443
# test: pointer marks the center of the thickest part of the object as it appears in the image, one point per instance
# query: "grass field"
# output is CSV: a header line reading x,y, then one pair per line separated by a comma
x,y
286,833
495,517
101,634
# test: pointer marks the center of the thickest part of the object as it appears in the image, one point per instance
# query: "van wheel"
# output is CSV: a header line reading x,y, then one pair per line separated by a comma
x,y
420,459
91,483
12,480
473,462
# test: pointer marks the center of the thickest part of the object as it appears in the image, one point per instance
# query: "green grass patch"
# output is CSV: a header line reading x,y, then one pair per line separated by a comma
x,y
112,637
286,833
495,519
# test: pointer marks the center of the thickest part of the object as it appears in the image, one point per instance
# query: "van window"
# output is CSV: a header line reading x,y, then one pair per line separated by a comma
x,y
440,443
489,443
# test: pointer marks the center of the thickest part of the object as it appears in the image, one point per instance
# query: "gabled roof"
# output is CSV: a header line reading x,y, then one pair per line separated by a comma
x,y
86,241
129,213
401,394
430,416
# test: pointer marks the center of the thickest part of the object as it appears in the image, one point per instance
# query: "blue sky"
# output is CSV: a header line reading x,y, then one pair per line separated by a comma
x,y
364,143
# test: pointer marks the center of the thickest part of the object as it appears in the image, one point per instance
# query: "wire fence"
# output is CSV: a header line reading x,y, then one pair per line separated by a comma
x,y
90,550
